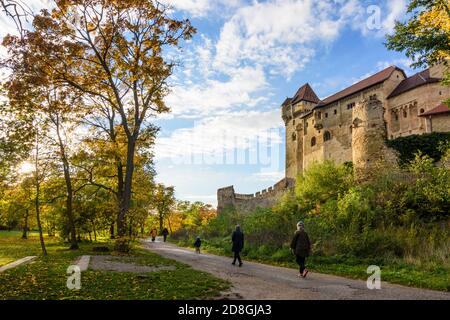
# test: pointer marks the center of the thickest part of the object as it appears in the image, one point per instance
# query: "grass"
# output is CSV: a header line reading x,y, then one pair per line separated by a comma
x,y
398,272
45,279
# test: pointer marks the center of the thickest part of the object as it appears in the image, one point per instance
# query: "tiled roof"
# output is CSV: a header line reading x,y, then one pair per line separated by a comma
x,y
305,93
440,109
361,85
417,80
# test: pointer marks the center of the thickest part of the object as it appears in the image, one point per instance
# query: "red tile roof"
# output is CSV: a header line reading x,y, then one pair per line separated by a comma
x,y
417,80
305,93
362,85
440,109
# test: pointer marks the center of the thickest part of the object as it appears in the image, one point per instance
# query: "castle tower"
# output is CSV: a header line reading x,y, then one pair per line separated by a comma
x,y
292,109
226,198
369,136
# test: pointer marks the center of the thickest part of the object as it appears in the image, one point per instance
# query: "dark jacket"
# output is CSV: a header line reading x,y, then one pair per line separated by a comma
x,y
198,243
301,244
165,232
238,241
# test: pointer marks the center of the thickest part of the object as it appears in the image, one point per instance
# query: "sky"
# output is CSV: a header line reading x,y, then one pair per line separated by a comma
x,y
247,57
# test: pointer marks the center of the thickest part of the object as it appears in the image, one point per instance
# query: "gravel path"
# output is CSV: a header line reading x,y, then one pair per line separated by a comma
x,y
256,281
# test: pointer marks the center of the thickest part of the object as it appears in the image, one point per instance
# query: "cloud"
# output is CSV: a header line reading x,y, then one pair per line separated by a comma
x,y
201,8
212,139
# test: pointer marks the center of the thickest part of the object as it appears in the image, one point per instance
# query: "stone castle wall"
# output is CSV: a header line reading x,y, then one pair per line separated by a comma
x,y
228,198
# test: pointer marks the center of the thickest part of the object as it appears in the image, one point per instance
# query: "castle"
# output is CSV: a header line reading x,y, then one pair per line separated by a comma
x,y
353,125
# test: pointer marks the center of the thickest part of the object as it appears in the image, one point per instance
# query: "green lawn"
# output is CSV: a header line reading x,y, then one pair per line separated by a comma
x,y
46,277
433,277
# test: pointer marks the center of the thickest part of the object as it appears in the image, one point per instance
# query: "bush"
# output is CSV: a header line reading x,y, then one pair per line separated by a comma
x,y
430,144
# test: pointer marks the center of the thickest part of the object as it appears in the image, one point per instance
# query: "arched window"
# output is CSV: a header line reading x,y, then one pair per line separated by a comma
x,y
313,141
294,136
327,136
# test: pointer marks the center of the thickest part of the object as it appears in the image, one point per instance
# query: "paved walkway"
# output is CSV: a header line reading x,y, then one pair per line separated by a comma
x,y
17,263
256,281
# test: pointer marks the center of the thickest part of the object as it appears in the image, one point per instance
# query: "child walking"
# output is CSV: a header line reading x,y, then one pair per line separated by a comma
x,y
197,245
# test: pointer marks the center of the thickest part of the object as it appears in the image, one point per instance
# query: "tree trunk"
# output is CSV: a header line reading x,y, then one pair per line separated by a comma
x,y
127,188
95,231
111,231
25,225
69,190
36,202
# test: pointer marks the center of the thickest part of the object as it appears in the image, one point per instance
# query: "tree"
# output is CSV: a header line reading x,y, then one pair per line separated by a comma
x,y
56,107
112,53
425,37
163,202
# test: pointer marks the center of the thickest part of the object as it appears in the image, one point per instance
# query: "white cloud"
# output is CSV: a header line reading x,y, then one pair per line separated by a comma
x,y
214,96
201,8
213,137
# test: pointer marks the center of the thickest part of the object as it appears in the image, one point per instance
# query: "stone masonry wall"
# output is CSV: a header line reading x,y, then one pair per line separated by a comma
x,y
228,198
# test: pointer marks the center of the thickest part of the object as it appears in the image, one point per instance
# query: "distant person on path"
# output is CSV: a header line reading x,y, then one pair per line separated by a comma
x,y
197,245
153,234
301,247
165,233
238,245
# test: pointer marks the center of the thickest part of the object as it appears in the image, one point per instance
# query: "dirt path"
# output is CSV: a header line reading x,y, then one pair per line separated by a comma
x,y
256,281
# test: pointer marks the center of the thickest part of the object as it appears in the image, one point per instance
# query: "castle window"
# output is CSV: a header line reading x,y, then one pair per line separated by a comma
x,y
396,117
313,141
326,115
294,137
327,136
293,122
351,106
422,111
319,115
405,114
335,111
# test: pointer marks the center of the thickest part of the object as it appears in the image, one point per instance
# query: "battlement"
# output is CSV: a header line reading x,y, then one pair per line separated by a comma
x,y
228,198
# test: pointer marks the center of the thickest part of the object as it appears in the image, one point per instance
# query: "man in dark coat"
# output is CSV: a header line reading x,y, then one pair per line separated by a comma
x,y
165,233
301,247
238,245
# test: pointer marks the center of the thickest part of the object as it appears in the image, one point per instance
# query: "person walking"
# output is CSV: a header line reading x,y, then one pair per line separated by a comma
x,y
165,233
153,234
238,244
301,247
197,245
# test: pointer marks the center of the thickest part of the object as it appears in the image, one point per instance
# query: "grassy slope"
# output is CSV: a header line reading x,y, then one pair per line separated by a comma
x,y
400,273
46,278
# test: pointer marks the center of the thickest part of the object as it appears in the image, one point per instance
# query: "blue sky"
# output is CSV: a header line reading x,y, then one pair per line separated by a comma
x,y
246,58
225,127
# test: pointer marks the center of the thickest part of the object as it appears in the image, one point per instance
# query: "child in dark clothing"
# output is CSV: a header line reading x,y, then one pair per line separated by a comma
x,y
197,245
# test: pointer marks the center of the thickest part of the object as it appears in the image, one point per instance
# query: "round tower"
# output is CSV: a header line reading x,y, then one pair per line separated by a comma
x,y
369,135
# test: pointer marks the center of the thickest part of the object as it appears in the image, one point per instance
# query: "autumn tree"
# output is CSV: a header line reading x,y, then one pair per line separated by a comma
x,y
425,37
163,202
113,52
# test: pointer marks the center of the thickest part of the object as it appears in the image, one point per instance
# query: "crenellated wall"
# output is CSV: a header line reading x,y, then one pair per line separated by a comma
x,y
228,198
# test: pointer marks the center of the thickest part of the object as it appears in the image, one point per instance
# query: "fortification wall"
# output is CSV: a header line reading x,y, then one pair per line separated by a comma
x,y
228,198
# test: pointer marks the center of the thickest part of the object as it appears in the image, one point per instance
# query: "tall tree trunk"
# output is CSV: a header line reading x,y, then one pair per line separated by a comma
x,y
111,231
37,202
95,230
127,188
69,190
25,225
